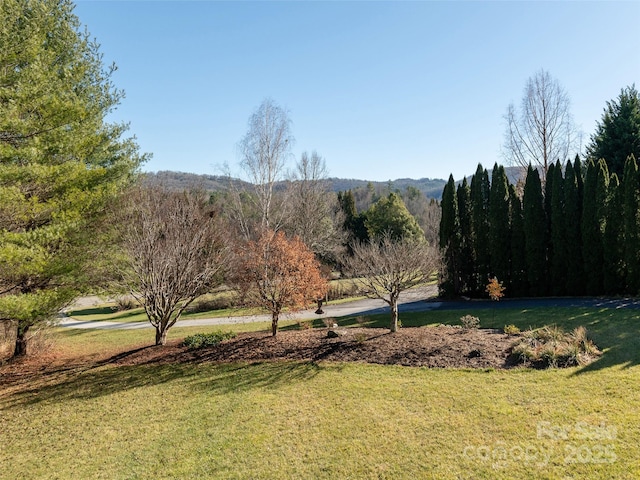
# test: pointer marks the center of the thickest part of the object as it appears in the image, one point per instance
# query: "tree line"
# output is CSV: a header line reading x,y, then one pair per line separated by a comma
x,y
575,234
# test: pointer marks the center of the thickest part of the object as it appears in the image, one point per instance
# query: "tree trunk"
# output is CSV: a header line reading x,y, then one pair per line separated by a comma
x,y
161,335
394,315
274,324
21,343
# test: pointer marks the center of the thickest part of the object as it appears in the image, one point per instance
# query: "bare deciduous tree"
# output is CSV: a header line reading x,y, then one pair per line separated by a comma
x,y
383,268
314,215
542,131
174,252
265,150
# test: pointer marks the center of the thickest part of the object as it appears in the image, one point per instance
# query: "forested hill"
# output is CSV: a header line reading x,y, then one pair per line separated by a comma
x,y
432,188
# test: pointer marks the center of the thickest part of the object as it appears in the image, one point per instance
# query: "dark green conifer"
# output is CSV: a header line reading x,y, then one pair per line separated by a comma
x,y
518,274
631,236
499,234
534,230
613,244
480,190
558,251
466,235
450,240
573,232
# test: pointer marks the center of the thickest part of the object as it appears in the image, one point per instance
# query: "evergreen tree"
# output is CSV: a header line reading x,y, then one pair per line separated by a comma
x,y
591,230
518,274
499,234
631,229
480,191
353,223
580,174
559,249
466,235
450,240
389,215
613,245
547,188
573,233
534,232
61,162
618,133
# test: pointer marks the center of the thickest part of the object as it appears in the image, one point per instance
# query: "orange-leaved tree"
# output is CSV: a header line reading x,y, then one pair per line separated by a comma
x,y
278,273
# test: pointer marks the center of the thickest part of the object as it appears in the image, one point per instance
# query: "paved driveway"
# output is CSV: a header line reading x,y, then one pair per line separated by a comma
x,y
416,300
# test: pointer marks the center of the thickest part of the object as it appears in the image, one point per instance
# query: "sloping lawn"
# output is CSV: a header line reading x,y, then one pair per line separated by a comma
x,y
324,420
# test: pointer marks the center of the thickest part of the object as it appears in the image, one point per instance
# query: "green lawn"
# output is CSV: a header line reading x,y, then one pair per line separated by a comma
x,y
333,421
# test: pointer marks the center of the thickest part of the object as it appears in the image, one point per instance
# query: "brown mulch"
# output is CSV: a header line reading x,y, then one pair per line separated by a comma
x,y
438,347
441,347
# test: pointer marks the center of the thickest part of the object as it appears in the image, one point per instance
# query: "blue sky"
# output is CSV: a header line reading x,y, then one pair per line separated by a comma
x,y
382,90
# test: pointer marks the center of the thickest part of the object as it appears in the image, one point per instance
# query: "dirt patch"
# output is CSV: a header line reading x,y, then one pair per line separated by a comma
x,y
438,347
442,347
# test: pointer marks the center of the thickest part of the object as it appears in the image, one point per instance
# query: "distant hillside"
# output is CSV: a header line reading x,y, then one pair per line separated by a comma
x,y
432,188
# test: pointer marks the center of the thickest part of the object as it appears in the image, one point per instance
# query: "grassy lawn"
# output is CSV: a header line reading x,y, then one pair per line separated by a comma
x,y
333,421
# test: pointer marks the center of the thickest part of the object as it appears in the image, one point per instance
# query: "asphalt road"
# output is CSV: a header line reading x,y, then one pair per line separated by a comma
x,y
416,300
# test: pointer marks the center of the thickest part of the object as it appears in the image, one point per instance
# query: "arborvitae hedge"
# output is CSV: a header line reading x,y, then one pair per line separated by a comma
x,y
581,236
480,191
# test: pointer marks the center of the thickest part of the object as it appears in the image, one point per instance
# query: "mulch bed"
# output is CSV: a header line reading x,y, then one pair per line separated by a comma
x,y
441,347
437,347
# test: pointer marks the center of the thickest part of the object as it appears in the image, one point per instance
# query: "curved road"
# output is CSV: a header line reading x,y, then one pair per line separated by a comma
x,y
421,299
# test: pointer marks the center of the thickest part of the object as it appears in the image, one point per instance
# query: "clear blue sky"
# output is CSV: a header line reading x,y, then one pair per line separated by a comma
x,y
382,90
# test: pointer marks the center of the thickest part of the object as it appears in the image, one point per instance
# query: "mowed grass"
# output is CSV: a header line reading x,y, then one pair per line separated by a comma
x,y
333,421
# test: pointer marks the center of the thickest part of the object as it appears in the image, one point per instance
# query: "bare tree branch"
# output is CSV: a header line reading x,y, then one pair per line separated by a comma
x,y
542,131
384,268
175,252
265,150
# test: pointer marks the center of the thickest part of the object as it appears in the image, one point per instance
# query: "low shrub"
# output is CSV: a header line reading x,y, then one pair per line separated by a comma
x,y
202,340
360,337
469,322
551,347
511,329
125,303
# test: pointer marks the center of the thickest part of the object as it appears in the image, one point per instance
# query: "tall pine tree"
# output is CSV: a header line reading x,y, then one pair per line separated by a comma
x,y
631,228
61,161
618,133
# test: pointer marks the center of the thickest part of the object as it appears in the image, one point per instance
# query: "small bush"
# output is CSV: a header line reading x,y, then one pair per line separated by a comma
x,y
469,322
126,303
202,340
511,329
360,337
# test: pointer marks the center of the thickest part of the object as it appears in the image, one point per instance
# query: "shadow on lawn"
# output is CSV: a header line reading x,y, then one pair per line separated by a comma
x,y
103,379
616,335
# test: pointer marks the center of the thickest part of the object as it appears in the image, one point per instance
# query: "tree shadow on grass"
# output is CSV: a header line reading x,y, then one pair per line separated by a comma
x,y
106,378
616,335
